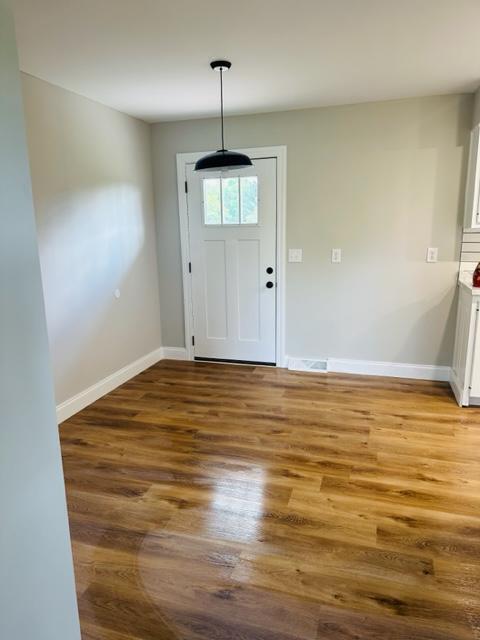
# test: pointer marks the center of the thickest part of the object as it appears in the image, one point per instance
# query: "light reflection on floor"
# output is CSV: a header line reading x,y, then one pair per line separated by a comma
x,y
237,505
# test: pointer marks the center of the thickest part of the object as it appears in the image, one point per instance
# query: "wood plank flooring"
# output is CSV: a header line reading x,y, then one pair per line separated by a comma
x,y
218,502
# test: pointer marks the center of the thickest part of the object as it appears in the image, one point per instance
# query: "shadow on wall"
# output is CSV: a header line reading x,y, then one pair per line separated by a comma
x,y
441,305
89,246
446,307
93,193
391,323
426,208
411,323
445,198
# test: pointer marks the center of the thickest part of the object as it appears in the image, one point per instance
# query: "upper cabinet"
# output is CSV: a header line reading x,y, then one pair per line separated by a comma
x,y
472,204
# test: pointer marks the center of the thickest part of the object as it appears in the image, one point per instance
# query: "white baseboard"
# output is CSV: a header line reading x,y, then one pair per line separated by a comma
x,y
174,353
362,367
388,369
73,405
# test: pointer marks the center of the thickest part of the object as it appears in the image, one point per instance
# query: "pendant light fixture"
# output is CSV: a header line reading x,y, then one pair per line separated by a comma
x,y
222,160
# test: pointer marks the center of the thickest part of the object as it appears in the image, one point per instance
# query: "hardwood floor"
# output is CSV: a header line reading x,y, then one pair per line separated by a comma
x,y
217,502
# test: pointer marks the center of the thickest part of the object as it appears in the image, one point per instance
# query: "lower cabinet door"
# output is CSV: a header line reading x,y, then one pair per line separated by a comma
x,y
474,390
466,328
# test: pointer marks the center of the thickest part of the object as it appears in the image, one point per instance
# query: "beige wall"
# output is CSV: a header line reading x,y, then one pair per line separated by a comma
x,y
383,181
37,590
93,195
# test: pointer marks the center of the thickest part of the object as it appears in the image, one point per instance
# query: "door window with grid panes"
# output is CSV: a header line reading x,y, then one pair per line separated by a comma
x,y
230,201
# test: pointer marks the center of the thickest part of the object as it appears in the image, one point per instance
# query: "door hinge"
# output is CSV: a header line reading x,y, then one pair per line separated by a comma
x,y
189,267
186,186
193,341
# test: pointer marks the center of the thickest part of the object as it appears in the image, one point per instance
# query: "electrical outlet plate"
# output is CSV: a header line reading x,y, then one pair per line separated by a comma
x,y
432,254
295,255
336,255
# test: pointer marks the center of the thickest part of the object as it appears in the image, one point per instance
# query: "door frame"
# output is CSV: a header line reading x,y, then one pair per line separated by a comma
x,y
256,153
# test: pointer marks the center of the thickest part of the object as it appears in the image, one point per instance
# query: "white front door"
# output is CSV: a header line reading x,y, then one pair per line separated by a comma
x,y
232,230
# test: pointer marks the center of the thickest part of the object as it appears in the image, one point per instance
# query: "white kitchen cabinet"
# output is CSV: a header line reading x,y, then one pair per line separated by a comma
x,y
472,190
465,376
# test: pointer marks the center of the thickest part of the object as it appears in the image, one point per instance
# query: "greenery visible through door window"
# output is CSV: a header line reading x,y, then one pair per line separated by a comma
x,y
249,199
212,201
230,200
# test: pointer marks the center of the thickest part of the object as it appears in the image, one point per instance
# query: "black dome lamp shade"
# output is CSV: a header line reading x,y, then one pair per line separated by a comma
x,y
222,160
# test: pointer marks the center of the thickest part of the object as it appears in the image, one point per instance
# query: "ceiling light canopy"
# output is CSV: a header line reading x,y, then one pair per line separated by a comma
x,y
222,160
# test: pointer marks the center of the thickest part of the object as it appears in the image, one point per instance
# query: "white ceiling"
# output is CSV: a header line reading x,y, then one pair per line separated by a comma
x,y
149,58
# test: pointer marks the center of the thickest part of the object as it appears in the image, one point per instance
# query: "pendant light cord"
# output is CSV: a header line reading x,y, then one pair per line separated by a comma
x,y
222,159
221,106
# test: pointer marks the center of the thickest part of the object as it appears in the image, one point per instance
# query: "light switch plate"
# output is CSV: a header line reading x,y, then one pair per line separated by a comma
x,y
336,255
295,255
432,254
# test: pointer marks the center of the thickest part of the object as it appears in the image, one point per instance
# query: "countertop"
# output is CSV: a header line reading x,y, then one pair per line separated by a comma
x,y
465,280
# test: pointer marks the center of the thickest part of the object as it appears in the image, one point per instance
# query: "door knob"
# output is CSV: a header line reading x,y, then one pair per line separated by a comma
x,y
269,285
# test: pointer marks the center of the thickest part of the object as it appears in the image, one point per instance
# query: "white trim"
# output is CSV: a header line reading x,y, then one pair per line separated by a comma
x,y
174,353
73,405
362,367
387,369
460,396
182,160
390,369
281,252
280,153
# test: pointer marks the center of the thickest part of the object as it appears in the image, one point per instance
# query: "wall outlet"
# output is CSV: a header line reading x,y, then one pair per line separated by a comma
x,y
295,255
116,293
432,254
336,255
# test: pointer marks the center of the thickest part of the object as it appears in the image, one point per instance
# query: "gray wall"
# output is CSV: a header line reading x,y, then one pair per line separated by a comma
x,y
476,109
383,181
37,595
93,194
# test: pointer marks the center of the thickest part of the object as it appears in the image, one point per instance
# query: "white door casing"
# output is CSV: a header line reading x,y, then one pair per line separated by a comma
x,y
233,299
185,159
472,187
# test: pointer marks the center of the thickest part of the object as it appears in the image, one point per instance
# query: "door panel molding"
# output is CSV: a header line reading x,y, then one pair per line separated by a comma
x,y
183,160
